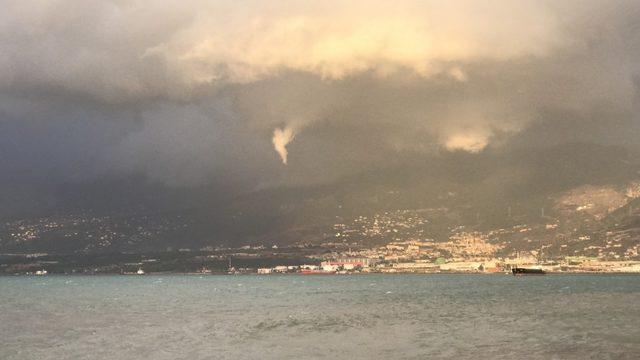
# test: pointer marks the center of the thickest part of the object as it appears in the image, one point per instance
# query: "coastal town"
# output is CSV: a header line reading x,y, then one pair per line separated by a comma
x,y
469,253
589,229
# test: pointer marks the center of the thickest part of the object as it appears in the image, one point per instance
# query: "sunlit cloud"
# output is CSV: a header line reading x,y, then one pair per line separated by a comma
x,y
467,142
334,40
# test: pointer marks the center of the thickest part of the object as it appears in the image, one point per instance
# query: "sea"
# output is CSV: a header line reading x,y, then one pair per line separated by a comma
x,y
320,317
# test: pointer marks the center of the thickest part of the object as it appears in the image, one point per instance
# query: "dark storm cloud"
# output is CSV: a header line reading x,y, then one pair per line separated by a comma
x,y
191,94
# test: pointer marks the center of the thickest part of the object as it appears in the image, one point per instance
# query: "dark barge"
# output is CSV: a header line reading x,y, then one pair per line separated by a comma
x,y
518,271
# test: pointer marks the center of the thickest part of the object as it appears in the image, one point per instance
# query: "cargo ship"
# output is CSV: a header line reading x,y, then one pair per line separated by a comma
x,y
518,271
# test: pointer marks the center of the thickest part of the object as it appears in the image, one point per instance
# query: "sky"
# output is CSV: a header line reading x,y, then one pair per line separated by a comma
x,y
120,98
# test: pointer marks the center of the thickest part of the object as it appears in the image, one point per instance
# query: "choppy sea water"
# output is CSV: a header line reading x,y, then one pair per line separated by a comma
x,y
320,317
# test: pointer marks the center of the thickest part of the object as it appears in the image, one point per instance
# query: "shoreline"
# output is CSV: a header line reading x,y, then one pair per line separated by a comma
x,y
170,273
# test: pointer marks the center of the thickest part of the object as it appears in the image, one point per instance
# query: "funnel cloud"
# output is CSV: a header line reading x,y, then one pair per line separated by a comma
x,y
281,138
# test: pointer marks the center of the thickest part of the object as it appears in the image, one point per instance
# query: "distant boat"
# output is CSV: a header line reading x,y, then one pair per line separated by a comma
x,y
41,272
140,271
518,271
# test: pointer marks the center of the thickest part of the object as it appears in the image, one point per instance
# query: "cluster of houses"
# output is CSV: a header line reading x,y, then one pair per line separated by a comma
x,y
339,265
